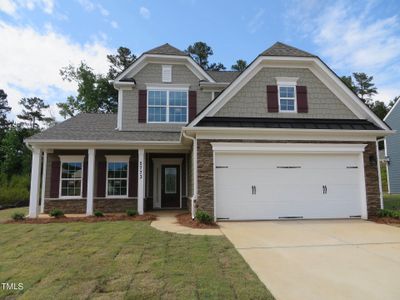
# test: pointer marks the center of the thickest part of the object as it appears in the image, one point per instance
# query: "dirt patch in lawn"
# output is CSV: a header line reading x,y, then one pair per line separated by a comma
x,y
186,220
387,220
92,219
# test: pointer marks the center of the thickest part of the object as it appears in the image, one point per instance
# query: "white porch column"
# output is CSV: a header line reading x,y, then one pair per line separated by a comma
x,y
35,184
141,181
90,182
44,171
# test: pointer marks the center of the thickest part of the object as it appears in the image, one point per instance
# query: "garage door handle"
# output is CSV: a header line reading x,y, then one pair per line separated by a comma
x,y
253,190
324,189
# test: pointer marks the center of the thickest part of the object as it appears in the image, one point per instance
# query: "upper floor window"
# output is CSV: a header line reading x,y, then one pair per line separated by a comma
x,y
287,98
167,106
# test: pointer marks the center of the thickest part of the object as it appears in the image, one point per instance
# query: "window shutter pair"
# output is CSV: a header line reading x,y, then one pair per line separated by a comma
x,y
273,99
55,179
143,105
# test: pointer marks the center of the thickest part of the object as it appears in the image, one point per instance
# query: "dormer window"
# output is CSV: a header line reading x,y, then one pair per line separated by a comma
x,y
166,73
287,98
167,106
287,94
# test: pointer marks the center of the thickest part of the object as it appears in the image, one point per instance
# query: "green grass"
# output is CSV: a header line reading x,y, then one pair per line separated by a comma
x,y
121,260
5,214
384,178
391,201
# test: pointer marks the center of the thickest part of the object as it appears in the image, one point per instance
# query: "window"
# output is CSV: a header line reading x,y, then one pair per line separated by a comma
x,y
71,176
170,180
167,106
166,73
117,176
287,98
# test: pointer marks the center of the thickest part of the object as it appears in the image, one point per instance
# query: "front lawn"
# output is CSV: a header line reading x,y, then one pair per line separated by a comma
x,y
120,260
391,201
5,214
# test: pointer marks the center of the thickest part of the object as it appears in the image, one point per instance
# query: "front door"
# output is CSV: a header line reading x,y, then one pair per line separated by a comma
x,y
170,186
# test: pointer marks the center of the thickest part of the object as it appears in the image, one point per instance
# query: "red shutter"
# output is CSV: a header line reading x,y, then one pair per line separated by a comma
x,y
55,179
84,179
301,93
192,105
133,173
272,98
101,179
142,106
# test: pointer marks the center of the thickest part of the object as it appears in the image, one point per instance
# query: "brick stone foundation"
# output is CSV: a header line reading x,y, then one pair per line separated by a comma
x,y
205,167
78,206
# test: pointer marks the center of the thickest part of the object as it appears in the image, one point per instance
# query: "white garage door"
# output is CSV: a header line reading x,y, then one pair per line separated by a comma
x,y
276,186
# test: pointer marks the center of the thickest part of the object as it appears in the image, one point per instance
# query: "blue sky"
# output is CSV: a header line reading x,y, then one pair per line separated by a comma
x,y
41,36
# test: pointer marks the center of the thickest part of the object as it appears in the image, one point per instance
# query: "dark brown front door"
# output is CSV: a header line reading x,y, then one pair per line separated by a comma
x,y
170,186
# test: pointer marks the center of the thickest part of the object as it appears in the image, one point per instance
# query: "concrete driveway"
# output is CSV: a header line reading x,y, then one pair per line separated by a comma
x,y
333,259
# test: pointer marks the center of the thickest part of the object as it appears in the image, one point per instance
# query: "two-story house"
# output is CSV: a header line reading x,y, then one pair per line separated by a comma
x,y
283,139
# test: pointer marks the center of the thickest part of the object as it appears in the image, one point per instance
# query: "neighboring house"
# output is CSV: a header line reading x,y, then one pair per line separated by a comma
x,y
392,150
283,139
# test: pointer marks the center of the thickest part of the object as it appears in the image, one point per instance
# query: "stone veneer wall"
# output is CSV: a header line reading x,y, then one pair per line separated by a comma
x,y
78,206
205,167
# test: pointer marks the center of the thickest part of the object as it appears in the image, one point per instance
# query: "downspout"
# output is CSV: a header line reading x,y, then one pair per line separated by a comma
x,y
194,164
379,171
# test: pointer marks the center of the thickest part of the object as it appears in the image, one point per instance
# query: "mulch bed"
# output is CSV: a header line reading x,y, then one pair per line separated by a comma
x,y
186,220
387,220
92,219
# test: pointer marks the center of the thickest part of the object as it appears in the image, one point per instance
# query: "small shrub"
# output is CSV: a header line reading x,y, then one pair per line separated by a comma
x,y
388,213
203,217
98,214
131,212
18,216
56,213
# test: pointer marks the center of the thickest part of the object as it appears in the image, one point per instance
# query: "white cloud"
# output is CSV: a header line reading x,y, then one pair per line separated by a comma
x,y
256,21
90,6
353,39
32,60
145,12
114,24
9,7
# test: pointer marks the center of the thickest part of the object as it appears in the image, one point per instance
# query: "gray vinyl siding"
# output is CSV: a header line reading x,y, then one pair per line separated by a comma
x,y
151,73
251,100
393,151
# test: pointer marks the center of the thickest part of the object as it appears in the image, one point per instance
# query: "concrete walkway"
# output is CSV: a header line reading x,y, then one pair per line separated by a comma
x,y
331,259
166,221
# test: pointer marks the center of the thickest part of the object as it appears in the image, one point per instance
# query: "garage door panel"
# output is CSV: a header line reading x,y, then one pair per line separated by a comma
x,y
306,185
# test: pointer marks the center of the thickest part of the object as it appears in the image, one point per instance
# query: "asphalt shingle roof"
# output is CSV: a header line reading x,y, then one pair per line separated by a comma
x,y
224,76
97,127
293,123
166,49
281,49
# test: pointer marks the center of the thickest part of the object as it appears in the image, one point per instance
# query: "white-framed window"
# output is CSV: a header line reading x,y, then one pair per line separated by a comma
x,y
167,106
117,176
166,73
71,176
287,98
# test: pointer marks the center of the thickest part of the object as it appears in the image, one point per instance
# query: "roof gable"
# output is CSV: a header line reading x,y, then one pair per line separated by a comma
x,y
281,49
166,49
395,110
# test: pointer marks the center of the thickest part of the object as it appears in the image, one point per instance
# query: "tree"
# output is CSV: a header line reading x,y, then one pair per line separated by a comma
x,y
379,108
200,52
95,93
4,109
33,112
240,65
365,88
119,62
16,157
349,82
216,67
393,102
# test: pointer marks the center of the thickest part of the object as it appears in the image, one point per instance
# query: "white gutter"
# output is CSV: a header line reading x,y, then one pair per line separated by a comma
x,y
194,166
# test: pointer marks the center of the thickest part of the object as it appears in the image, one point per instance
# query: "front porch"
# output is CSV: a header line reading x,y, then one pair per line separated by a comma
x,y
82,181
